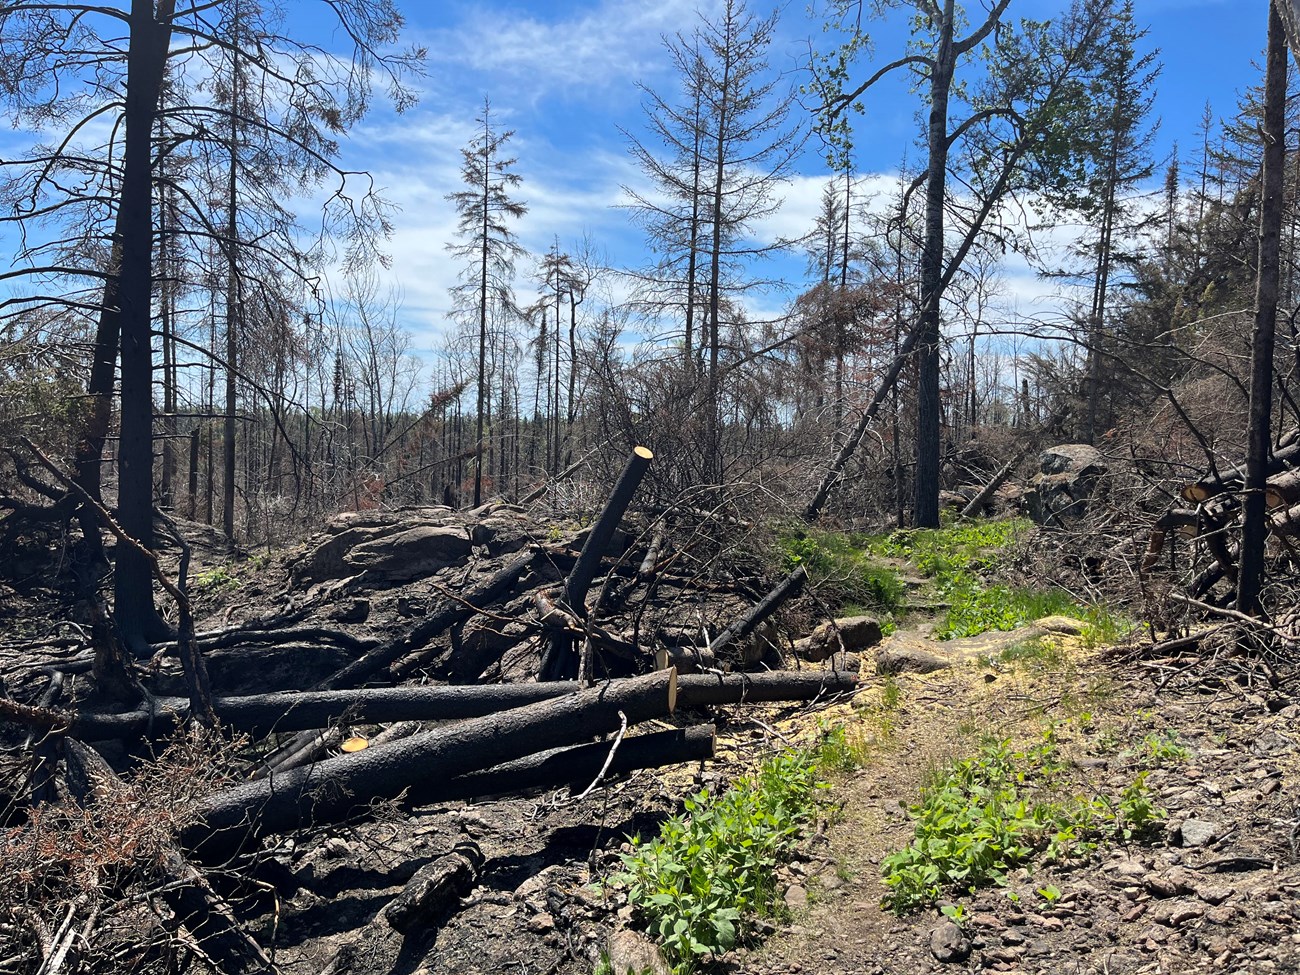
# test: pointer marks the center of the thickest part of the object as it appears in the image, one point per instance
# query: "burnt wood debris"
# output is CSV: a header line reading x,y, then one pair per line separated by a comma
x,y
525,663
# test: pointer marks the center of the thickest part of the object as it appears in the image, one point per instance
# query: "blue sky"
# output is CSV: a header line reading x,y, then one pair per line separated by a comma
x,y
564,76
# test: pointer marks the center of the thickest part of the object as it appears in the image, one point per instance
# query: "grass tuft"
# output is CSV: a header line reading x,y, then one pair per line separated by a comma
x,y
841,566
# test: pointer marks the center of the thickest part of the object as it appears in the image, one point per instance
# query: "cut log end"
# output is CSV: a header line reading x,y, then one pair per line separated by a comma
x,y
672,690
645,453
686,660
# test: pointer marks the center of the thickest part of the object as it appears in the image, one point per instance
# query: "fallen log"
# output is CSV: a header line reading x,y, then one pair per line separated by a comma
x,y
646,571
1285,523
203,913
1282,490
303,748
447,616
1184,520
560,660
706,690
434,888
329,791
262,714
976,504
1198,492
579,765
789,586
687,660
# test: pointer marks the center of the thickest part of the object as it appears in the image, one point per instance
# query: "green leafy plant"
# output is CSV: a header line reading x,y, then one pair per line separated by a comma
x,y
1164,748
959,558
712,867
216,579
1051,893
984,815
891,695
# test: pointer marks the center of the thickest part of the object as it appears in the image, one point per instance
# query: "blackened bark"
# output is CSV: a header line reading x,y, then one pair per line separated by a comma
x,y
134,609
338,787
560,660
925,504
1254,530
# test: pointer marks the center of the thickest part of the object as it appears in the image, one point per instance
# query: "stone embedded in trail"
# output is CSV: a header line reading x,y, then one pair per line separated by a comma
x,y
1175,914
948,943
796,897
1171,883
1198,832
905,659
630,951
1214,894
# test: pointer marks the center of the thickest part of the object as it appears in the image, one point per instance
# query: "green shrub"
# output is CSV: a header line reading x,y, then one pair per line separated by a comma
x,y
713,867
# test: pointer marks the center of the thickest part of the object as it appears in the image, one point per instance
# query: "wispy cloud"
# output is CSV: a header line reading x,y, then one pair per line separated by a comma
x,y
581,53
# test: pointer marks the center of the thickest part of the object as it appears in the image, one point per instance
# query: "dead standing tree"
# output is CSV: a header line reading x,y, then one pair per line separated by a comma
x,y
70,67
1032,79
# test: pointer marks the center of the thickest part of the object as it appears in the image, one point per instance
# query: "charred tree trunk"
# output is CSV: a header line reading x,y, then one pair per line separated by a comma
x,y
331,790
1254,530
790,586
263,714
560,661
132,582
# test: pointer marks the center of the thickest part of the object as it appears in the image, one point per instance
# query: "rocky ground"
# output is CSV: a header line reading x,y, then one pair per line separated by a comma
x,y
1215,890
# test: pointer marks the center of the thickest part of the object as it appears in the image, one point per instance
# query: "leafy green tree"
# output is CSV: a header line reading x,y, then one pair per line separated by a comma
x,y
1111,162
1022,96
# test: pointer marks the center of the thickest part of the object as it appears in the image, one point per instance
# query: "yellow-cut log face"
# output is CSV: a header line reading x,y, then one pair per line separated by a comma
x,y
355,744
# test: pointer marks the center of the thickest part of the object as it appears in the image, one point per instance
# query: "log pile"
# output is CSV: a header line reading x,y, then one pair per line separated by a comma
x,y
1209,517
560,659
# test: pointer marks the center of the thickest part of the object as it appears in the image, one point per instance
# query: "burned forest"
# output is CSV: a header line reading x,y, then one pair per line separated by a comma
x,y
613,490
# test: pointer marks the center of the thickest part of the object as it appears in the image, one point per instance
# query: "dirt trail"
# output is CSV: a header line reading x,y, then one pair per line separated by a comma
x,y
1218,897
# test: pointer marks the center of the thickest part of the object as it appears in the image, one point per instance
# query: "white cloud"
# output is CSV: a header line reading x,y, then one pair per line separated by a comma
x,y
581,54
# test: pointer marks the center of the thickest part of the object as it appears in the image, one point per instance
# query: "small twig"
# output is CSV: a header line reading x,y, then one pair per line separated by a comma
x,y
608,760
1232,614
63,939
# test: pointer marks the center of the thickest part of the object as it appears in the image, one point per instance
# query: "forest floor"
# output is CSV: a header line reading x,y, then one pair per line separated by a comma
x,y
1213,885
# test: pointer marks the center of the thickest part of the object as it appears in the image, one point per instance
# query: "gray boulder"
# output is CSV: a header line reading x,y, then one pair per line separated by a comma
x,y
411,554
1070,476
